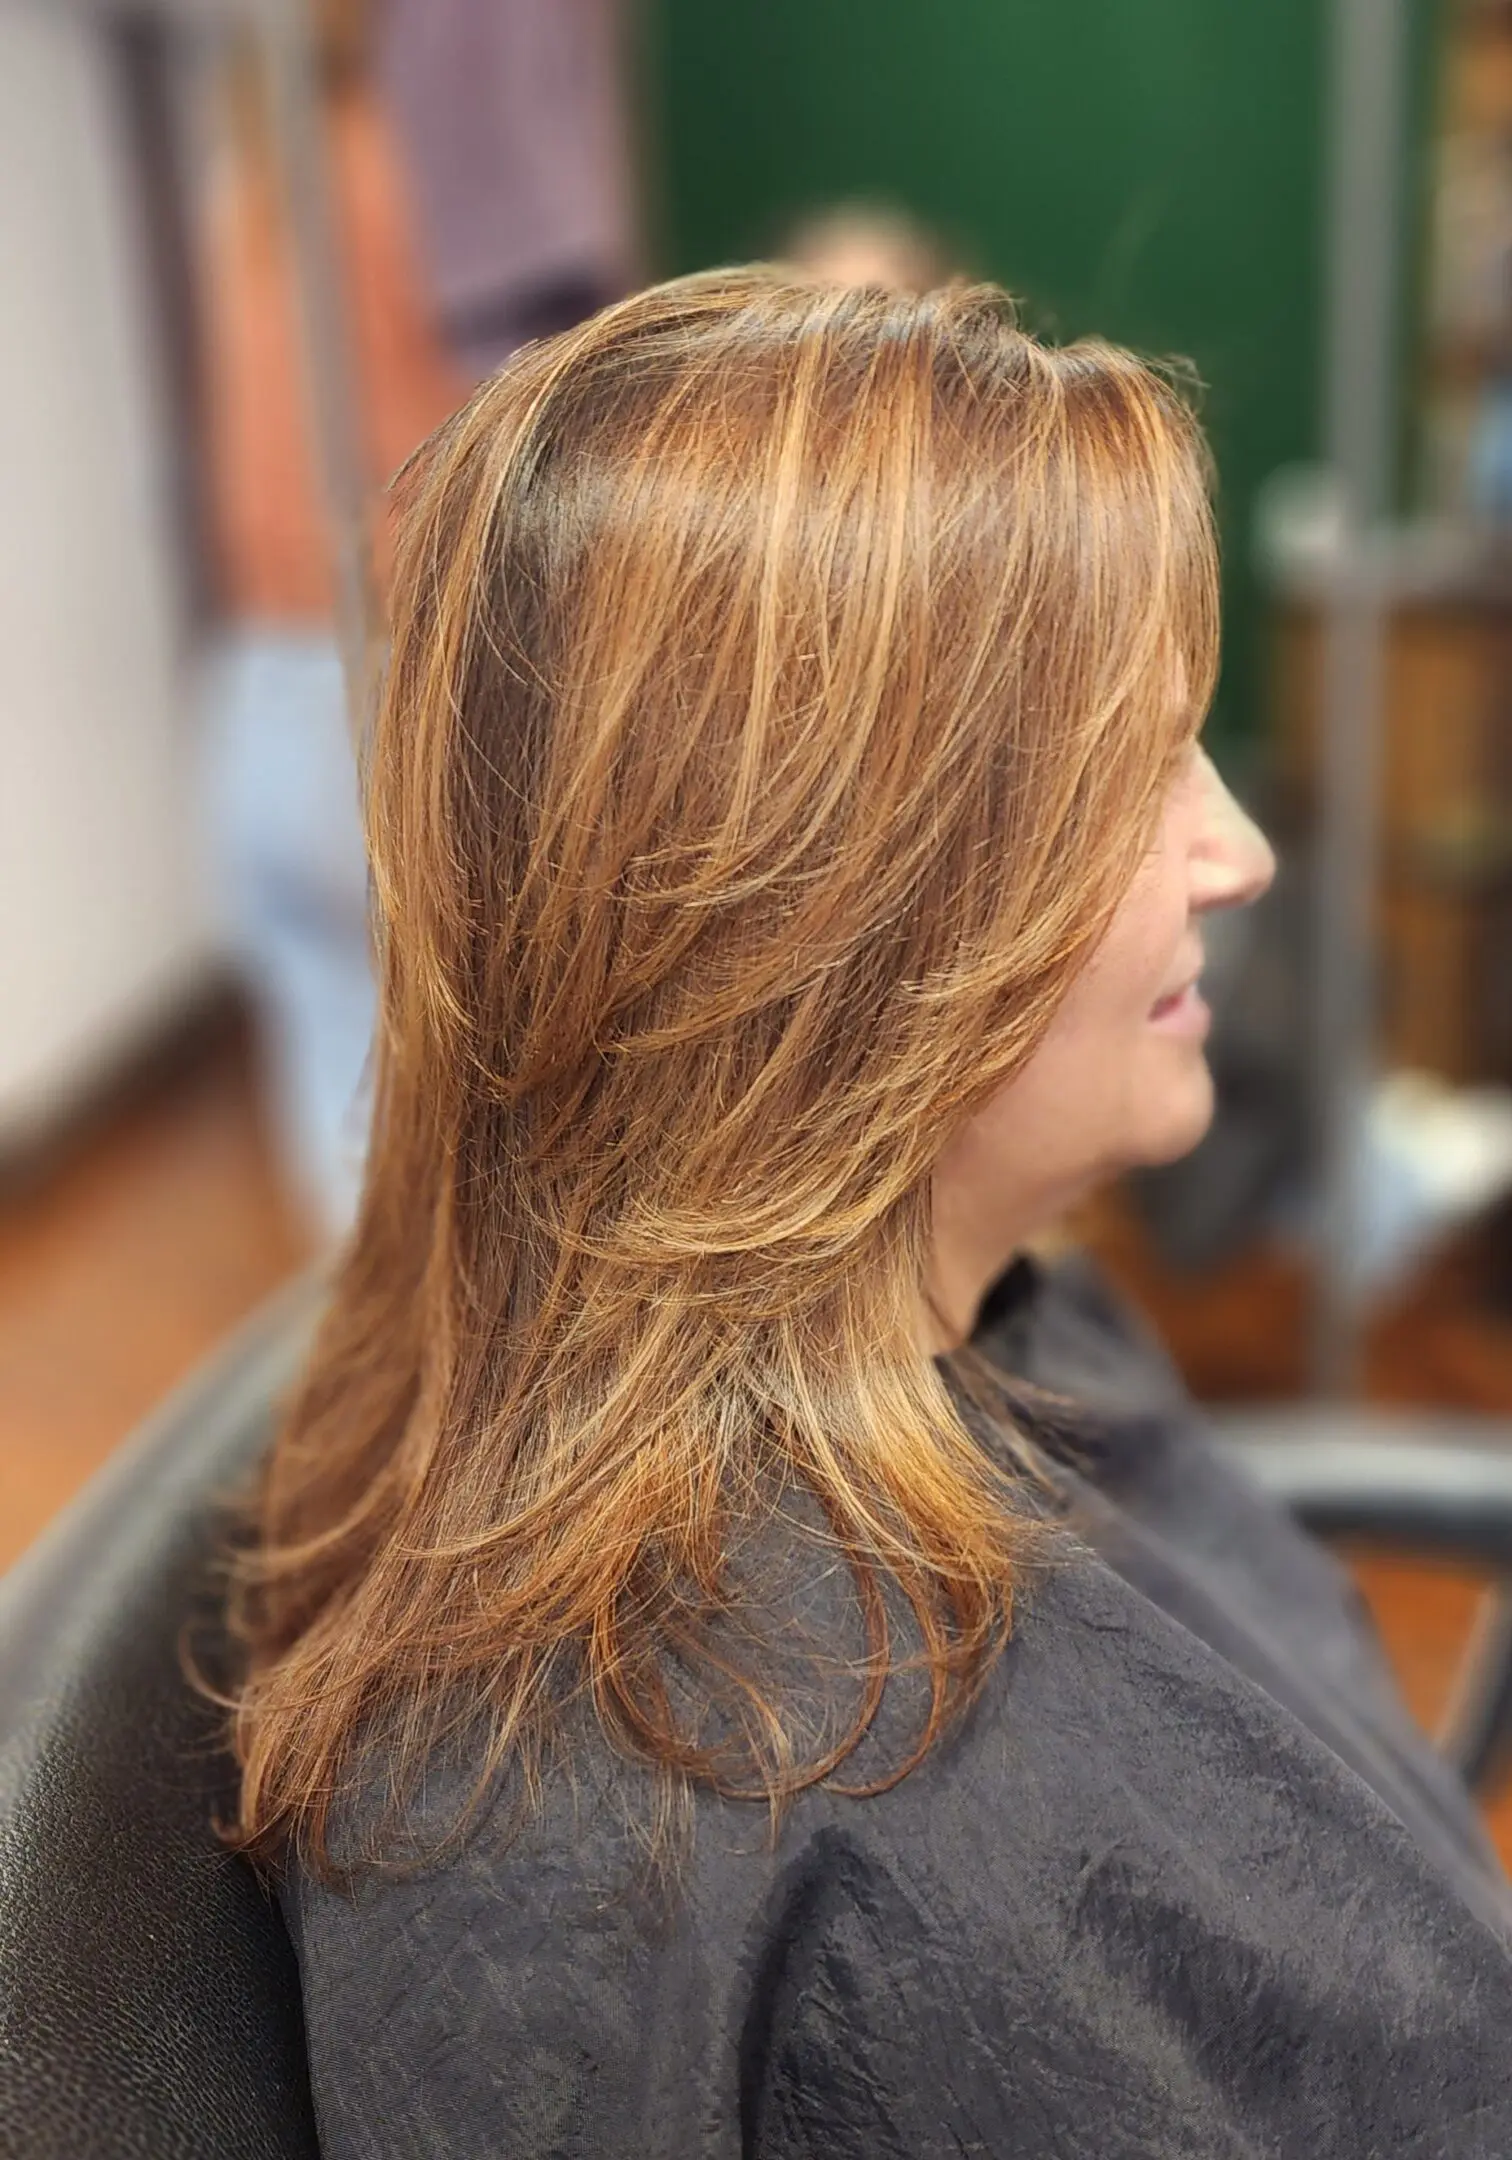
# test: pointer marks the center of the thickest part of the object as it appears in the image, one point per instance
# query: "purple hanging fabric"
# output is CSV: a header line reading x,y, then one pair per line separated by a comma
x,y
511,118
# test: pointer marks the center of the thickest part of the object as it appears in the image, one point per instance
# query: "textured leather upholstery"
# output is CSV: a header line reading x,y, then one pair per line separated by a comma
x,y
149,1999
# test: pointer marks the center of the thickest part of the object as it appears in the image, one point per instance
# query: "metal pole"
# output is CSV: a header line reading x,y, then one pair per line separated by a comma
x,y
292,76
1363,238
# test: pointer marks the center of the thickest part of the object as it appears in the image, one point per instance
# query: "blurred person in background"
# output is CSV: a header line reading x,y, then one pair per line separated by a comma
x,y
285,840
864,243
482,191
738,1658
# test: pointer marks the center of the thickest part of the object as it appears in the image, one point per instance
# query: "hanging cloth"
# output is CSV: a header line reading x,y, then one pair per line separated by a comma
x,y
511,115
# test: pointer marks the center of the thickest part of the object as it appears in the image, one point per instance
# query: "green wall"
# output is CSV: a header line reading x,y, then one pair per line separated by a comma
x,y
1145,168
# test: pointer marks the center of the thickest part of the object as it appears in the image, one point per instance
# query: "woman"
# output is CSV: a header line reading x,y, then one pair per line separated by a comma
x,y
709,1691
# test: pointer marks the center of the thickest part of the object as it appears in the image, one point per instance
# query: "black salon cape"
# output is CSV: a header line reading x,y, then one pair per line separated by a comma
x,y
1184,1884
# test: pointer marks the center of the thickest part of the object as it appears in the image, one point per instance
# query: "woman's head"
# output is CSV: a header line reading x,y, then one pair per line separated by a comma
x,y
787,686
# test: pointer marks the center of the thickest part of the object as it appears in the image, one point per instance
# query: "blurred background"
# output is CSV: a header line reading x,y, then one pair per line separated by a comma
x,y
251,252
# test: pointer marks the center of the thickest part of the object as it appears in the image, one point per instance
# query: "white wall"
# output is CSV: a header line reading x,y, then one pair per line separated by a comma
x,y
102,927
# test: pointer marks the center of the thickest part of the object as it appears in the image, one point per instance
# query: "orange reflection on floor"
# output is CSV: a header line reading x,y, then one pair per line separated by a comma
x,y
1425,1614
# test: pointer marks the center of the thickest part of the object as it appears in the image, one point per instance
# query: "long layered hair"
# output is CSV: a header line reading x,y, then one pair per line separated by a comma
x,y
783,687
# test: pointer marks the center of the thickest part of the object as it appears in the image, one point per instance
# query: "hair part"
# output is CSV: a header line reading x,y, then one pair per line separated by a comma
x,y
783,687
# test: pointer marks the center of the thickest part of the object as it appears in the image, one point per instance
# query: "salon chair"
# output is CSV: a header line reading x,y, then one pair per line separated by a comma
x,y
1424,1484
149,1999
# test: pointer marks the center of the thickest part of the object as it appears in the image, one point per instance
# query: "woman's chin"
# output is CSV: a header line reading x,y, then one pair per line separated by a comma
x,y
1179,1117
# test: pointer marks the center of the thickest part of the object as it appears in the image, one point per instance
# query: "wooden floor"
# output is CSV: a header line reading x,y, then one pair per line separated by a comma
x,y
128,1259
124,1262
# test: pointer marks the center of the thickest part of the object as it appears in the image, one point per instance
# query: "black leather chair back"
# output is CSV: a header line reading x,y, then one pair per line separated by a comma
x,y
149,1999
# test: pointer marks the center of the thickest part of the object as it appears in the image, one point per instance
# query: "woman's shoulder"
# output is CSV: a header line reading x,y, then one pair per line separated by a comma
x,y
1125,1862
1116,1716
1105,1720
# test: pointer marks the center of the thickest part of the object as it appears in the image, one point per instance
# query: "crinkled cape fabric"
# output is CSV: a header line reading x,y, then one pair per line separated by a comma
x,y
1184,1884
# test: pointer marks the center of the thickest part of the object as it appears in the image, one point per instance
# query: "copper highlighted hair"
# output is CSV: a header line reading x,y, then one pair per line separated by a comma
x,y
783,687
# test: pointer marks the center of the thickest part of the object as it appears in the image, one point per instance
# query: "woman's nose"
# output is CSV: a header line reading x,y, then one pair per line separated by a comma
x,y
1232,862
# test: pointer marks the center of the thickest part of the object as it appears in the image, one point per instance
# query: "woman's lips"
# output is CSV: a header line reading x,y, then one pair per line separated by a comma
x,y
1182,1012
